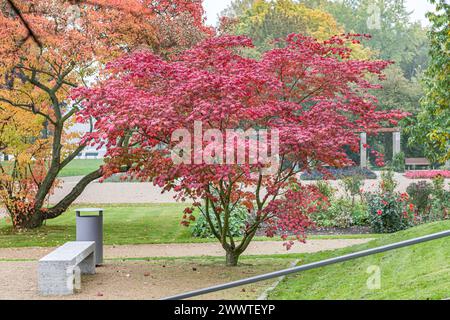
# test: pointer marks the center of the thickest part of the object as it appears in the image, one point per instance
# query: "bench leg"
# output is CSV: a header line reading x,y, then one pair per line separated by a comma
x,y
87,266
55,279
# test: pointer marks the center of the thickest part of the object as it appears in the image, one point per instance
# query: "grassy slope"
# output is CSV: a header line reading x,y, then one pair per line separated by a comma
x,y
417,272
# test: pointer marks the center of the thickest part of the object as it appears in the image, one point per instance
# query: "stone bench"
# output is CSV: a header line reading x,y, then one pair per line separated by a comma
x,y
58,271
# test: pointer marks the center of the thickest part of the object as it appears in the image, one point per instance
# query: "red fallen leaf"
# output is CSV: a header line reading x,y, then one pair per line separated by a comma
x,y
147,274
99,294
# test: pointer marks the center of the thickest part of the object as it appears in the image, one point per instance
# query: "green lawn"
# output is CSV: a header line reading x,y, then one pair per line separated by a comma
x,y
130,224
417,272
123,224
79,167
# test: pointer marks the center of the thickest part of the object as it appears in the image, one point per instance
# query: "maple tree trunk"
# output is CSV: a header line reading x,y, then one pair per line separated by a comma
x,y
29,220
25,217
234,253
232,258
65,203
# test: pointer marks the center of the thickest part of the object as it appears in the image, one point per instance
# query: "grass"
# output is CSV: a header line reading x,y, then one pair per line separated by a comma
x,y
156,223
80,167
75,168
123,224
417,272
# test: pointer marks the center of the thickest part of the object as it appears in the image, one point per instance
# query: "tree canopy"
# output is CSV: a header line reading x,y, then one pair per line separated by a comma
x,y
394,36
432,128
310,91
266,21
49,47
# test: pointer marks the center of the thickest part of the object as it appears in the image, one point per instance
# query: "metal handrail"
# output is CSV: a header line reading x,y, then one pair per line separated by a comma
x,y
310,266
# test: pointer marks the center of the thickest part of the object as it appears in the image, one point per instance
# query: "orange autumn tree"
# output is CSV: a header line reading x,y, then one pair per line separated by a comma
x,y
48,48
20,177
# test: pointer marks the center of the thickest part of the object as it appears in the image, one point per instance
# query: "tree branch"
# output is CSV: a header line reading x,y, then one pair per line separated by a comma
x,y
30,31
62,206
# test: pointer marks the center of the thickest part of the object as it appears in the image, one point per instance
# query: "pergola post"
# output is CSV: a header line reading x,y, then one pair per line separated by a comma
x,y
397,144
363,150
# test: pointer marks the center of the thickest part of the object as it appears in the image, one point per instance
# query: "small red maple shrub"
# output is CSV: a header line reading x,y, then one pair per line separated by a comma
x,y
311,92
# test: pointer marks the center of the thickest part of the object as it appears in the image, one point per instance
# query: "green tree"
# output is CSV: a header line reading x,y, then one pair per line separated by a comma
x,y
266,21
394,36
432,128
399,92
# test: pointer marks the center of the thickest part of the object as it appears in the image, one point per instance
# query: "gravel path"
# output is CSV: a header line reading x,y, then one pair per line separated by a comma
x,y
189,250
114,193
155,279
140,280
117,193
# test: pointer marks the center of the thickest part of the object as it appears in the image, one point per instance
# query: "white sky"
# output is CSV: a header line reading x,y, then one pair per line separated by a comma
x,y
419,8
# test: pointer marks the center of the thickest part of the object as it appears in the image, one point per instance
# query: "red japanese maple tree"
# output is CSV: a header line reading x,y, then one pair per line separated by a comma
x,y
311,92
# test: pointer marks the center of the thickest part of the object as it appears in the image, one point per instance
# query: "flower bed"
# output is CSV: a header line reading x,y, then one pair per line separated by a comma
x,y
335,174
428,174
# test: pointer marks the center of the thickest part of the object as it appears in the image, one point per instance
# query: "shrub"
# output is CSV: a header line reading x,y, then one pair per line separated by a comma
x,y
353,186
389,212
398,163
420,196
440,200
341,214
360,215
326,189
388,183
336,174
238,220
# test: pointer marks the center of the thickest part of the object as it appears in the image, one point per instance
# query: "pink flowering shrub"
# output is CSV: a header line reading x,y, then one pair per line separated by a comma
x,y
428,174
390,212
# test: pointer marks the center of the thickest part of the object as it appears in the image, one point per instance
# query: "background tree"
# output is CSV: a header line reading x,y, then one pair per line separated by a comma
x,y
19,178
398,93
311,91
432,128
266,21
70,41
394,36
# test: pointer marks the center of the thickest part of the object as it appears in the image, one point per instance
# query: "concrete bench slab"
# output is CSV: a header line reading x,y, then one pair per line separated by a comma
x,y
59,270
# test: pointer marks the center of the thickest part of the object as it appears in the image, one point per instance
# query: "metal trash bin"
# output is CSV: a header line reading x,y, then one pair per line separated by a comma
x,y
90,228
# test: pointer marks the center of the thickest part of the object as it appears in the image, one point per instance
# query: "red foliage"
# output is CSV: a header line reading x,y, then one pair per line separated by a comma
x,y
310,91
289,216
